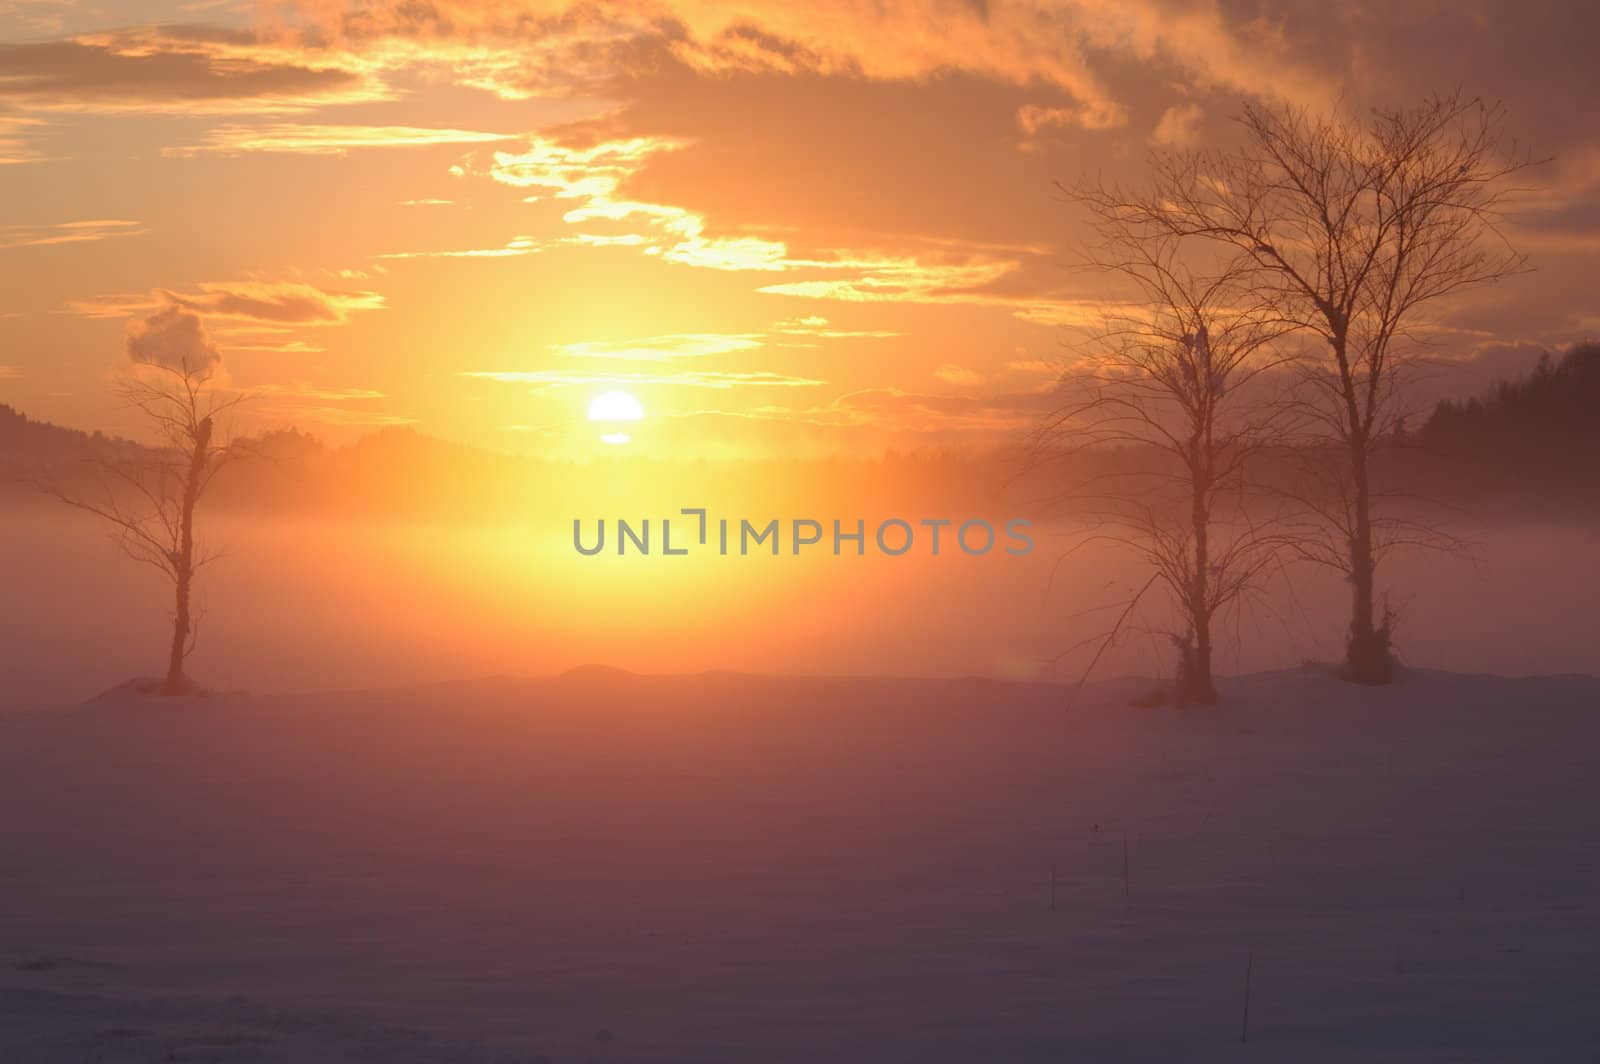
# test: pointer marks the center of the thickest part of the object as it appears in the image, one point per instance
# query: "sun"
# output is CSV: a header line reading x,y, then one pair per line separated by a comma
x,y
610,407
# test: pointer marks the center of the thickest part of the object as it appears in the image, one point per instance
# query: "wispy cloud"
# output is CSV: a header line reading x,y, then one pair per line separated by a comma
x,y
302,390
344,417
16,142
895,279
593,173
1179,126
282,301
513,248
181,70
84,232
286,302
522,48
663,348
560,378
298,139
593,176
1035,117
325,404
950,373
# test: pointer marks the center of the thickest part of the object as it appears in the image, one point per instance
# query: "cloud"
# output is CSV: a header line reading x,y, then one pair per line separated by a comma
x,y
592,173
1035,117
174,338
341,416
896,279
1179,126
1040,366
84,232
10,373
516,247
1075,313
560,378
923,412
303,401
290,302
296,139
816,327
257,316
251,340
663,348
522,48
592,176
301,390
898,410
950,373
183,70
1563,214
15,139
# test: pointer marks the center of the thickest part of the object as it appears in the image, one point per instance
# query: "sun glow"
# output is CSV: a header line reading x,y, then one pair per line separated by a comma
x,y
615,406
607,408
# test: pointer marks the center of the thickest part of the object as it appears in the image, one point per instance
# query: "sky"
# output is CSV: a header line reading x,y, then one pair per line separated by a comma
x,y
783,227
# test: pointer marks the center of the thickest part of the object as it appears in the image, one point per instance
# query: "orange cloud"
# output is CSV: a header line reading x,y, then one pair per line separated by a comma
x,y
594,175
172,337
294,139
84,232
559,378
182,70
301,390
514,248
521,48
896,279
816,327
284,302
898,410
15,141
1179,126
663,348
279,301
950,373
1034,117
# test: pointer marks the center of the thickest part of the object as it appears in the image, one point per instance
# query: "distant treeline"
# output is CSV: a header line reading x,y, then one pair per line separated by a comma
x,y
1529,443
1535,438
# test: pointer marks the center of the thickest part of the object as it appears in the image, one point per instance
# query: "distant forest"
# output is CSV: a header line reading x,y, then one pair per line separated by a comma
x,y
1538,435
1531,444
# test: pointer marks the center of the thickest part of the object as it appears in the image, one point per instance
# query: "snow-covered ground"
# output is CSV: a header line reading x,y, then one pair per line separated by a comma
x,y
612,868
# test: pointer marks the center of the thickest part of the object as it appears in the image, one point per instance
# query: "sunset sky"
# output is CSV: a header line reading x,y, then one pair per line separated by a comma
x,y
786,227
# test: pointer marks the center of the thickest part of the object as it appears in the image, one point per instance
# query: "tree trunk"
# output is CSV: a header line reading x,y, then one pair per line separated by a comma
x,y
183,562
1194,680
175,683
1367,658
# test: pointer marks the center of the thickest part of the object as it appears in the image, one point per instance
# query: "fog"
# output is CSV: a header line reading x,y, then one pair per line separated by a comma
x,y
318,604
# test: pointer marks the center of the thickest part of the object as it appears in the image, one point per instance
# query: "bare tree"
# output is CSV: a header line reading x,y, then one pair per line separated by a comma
x,y
1357,230
1173,387
149,496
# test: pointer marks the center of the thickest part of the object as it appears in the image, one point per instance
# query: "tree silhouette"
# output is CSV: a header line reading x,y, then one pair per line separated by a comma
x,y
1357,230
150,495
1173,383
